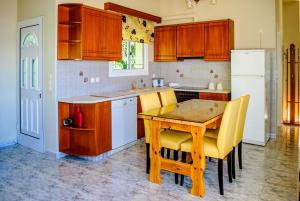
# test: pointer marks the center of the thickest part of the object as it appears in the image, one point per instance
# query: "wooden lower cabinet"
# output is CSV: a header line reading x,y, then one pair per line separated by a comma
x,y
215,96
95,136
140,122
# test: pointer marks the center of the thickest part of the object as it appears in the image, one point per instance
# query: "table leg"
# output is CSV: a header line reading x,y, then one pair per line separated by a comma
x,y
198,166
155,157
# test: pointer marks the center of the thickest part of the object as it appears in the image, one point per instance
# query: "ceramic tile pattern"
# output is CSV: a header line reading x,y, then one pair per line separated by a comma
x,y
269,173
196,72
190,72
71,84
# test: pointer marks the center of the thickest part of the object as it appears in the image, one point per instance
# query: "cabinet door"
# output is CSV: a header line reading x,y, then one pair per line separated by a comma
x,y
112,37
92,34
165,43
190,40
102,35
215,96
218,40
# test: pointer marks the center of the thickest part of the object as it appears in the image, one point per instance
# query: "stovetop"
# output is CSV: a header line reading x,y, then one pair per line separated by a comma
x,y
189,88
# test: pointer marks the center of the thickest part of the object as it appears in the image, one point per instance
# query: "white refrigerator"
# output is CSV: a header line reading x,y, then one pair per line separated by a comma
x,y
251,73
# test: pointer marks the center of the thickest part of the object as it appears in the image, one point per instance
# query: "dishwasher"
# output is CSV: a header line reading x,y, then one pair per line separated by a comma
x,y
124,121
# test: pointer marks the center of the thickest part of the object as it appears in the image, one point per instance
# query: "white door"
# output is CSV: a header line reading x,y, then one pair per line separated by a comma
x,y
31,84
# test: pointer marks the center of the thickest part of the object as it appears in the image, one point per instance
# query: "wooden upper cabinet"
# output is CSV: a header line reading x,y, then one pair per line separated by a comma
x,y
102,35
190,40
165,43
88,33
219,40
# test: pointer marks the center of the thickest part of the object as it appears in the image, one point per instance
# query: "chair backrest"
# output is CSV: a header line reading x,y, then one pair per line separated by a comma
x,y
238,136
168,97
149,102
227,128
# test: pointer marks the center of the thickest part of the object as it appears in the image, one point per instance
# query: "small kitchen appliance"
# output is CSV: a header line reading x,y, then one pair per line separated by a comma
x,y
157,82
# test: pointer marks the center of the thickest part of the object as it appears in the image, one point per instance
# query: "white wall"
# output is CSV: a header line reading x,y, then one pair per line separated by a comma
x,y
8,75
291,24
149,6
255,20
33,8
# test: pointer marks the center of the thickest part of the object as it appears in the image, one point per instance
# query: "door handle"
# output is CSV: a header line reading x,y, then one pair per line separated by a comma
x,y
40,95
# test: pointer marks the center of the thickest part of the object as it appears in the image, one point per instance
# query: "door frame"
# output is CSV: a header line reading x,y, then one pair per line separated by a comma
x,y
38,145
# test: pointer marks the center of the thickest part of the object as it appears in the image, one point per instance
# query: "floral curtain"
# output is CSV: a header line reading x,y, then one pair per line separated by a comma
x,y
137,29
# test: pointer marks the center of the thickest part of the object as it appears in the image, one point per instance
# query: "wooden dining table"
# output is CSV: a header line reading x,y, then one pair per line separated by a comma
x,y
193,116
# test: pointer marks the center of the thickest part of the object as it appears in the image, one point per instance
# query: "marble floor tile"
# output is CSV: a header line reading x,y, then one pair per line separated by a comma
x,y
269,174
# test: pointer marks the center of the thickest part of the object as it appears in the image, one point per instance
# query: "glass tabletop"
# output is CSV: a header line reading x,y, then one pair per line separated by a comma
x,y
195,110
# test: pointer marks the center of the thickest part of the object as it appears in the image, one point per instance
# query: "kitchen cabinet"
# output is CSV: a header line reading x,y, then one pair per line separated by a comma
x,y
211,40
94,138
165,43
140,122
190,40
215,96
86,33
219,40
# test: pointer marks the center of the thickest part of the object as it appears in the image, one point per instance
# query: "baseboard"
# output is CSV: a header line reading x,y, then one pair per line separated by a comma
x,y
272,135
60,155
8,143
253,142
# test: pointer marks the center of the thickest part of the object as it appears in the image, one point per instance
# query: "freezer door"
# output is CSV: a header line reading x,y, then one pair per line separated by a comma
x,y
254,131
248,63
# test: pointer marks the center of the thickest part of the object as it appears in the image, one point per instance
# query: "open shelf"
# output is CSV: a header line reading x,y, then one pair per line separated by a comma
x,y
70,41
79,129
70,23
69,31
94,138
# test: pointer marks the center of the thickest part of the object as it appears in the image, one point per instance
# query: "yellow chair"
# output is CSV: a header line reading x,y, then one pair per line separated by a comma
x,y
221,147
238,134
169,139
168,97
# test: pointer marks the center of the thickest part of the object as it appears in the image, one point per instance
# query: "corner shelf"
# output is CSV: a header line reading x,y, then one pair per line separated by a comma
x,y
79,129
70,23
70,41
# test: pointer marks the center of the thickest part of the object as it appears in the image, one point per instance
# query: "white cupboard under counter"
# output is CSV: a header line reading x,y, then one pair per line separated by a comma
x,y
124,122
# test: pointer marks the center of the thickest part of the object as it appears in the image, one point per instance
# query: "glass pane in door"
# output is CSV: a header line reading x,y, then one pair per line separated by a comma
x,y
34,73
24,73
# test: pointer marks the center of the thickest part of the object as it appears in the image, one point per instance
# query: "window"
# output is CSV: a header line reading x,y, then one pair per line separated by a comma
x,y
30,40
134,60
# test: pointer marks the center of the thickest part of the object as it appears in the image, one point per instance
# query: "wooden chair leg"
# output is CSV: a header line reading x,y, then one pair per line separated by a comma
x,y
229,163
162,152
168,153
182,176
220,176
176,158
240,155
233,163
147,158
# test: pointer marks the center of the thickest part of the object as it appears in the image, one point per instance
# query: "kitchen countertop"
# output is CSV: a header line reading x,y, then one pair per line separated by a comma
x,y
200,89
110,96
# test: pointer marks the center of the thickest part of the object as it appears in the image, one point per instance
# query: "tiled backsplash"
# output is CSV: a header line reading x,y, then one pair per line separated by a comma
x,y
70,83
196,72
73,77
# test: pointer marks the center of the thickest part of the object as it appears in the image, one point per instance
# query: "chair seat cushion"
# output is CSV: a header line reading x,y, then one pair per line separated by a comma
x,y
210,147
212,133
171,139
